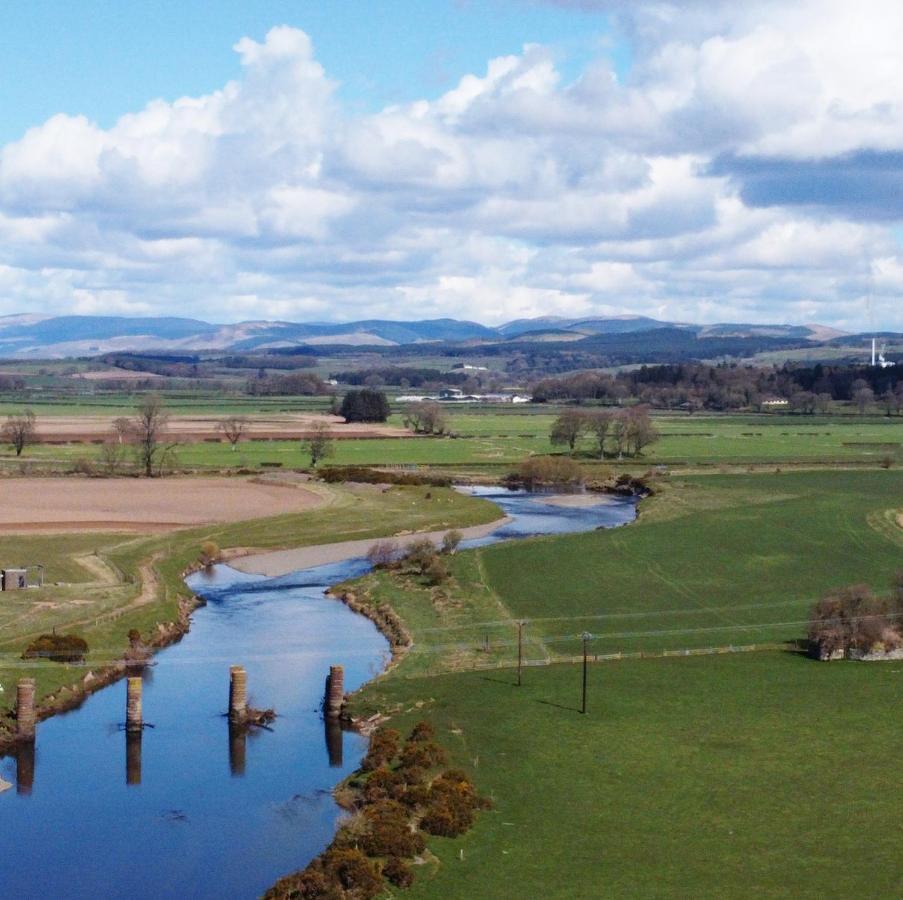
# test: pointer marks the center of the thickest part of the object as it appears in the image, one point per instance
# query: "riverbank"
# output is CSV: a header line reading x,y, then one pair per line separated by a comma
x,y
281,562
69,697
103,612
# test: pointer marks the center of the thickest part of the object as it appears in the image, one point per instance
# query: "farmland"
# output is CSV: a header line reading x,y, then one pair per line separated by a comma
x,y
492,437
700,776
706,775
713,561
761,775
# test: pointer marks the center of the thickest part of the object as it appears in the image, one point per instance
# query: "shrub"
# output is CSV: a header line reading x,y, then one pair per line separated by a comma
x,y
389,833
442,821
422,731
84,465
64,648
398,872
311,884
365,475
851,617
540,471
423,755
383,554
384,743
210,553
383,784
353,871
450,541
436,572
419,555
453,802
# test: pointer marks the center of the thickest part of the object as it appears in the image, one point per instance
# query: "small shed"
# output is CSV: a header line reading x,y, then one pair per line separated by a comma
x,y
14,579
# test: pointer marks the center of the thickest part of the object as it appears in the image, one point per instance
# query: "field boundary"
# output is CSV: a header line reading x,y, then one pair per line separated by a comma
x,y
607,657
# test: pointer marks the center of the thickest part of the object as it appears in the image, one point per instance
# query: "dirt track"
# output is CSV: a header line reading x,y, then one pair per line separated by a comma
x,y
142,505
290,426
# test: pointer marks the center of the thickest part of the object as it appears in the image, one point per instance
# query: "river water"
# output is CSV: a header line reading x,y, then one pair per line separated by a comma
x,y
187,809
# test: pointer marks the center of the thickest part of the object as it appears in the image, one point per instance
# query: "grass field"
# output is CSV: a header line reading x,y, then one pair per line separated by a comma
x,y
505,437
761,775
756,774
713,561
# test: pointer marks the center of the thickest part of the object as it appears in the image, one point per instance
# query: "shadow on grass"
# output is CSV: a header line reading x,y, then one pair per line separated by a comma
x,y
510,682
575,709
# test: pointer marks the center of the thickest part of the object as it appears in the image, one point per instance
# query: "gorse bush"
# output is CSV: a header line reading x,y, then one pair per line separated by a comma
x,y
398,872
422,755
64,648
422,731
393,798
389,833
384,746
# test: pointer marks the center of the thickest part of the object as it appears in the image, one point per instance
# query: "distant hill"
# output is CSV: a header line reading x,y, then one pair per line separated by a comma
x,y
35,336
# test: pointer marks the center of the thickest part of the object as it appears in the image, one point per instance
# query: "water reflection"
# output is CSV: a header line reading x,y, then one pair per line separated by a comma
x,y
333,732
288,635
25,761
238,748
133,757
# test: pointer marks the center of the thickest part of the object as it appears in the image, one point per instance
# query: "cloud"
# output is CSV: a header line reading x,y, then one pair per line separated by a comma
x,y
867,184
749,167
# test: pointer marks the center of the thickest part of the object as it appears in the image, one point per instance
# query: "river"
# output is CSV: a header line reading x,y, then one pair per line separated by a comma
x,y
186,809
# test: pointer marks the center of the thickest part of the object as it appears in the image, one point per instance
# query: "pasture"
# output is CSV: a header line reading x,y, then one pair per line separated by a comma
x,y
713,561
728,775
495,436
757,775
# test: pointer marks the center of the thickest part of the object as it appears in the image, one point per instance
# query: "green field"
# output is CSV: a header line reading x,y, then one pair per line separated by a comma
x,y
761,775
726,775
504,437
714,561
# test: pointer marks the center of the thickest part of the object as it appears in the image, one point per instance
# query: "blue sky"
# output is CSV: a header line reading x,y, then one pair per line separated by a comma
x,y
700,160
103,58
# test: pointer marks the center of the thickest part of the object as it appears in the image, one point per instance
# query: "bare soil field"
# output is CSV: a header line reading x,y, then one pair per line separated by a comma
x,y
142,504
289,426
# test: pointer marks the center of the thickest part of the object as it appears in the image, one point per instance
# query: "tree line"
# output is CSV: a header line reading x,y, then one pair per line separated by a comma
x,y
807,389
614,433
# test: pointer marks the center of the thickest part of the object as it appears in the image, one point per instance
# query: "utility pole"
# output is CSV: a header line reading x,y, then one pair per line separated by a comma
x,y
586,637
520,650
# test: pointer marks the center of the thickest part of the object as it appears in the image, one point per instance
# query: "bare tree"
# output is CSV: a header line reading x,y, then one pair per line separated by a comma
x,y
598,424
426,417
19,430
122,427
113,454
639,430
864,397
319,443
233,427
567,428
149,427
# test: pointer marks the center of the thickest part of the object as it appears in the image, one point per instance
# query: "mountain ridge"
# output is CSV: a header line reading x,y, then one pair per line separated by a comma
x,y
38,336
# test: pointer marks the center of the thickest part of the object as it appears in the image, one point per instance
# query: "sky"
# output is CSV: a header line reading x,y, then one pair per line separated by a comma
x,y
705,161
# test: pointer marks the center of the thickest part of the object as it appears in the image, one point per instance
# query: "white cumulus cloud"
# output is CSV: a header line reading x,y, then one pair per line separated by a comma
x,y
748,167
